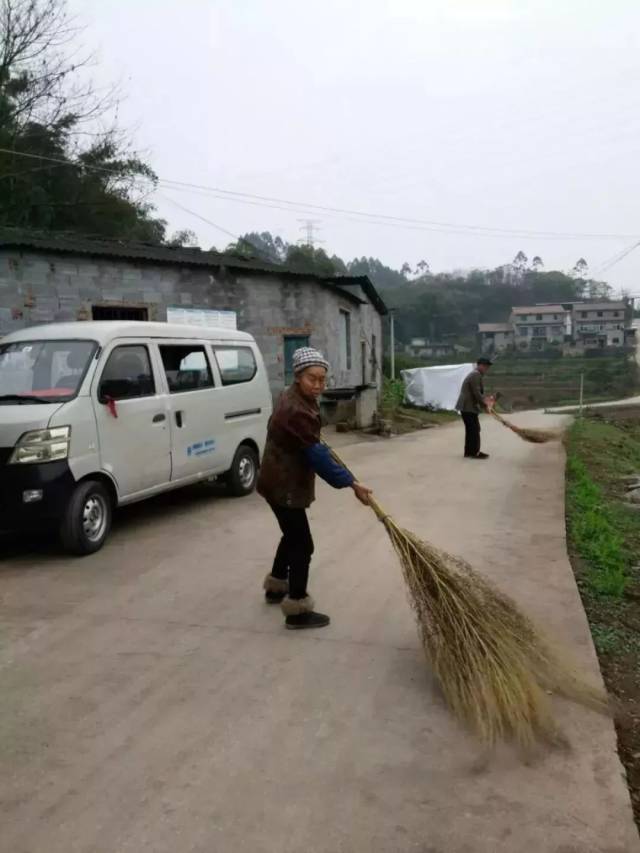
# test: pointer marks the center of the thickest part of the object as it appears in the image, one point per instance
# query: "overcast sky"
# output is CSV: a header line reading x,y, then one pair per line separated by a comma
x,y
522,115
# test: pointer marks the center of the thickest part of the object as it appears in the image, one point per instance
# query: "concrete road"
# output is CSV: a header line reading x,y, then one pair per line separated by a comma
x,y
152,702
626,402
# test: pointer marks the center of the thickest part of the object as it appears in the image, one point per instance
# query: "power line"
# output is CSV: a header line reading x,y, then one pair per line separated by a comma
x,y
611,262
379,218
220,228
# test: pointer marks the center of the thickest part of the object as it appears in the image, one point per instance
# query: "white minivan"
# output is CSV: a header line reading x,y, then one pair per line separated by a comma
x,y
98,415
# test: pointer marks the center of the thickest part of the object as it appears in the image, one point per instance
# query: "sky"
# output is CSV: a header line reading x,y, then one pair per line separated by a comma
x,y
471,118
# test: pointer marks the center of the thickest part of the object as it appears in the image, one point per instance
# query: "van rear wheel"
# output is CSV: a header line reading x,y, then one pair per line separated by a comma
x,y
87,519
241,477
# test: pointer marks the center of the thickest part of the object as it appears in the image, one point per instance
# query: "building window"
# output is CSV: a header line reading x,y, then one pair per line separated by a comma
x,y
291,344
345,340
540,331
538,316
616,313
600,314
127,374
523,331
236,364
615,340
118,312
524,318
363,361
186,368
584,315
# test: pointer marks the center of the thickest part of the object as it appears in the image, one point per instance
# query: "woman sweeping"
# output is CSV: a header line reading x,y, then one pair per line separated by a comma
x,y
293,456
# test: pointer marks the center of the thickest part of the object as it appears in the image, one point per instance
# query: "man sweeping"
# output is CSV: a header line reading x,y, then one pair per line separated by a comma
x,y
293,455
470,403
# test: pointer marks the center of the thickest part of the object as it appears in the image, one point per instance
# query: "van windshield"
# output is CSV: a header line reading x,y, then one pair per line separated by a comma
x,y
43,371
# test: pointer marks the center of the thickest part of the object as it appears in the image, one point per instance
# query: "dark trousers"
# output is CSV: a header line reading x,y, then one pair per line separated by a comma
x,y
293,556
471,433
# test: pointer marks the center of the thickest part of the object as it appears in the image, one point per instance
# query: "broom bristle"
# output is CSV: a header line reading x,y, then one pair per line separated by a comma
x,y
535,436
495,670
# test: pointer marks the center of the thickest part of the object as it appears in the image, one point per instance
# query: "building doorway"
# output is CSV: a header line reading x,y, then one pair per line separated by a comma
x,y
291,344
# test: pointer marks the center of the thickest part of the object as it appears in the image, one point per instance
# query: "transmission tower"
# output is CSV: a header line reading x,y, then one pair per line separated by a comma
x,y
309,226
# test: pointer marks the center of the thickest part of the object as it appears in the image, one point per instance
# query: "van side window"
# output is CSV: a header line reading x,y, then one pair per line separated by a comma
x,y
186,367
236,364
127,374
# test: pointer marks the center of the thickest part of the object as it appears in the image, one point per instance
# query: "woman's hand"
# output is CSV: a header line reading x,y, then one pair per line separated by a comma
x,y
362,493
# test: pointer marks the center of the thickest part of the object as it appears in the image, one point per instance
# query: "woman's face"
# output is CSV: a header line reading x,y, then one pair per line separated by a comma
x,y
312,381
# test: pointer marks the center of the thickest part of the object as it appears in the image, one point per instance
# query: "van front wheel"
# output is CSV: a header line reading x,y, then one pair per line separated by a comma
x,y
241,477
87,519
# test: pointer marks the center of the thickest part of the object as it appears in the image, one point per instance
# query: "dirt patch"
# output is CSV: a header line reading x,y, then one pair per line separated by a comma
x,y
603,452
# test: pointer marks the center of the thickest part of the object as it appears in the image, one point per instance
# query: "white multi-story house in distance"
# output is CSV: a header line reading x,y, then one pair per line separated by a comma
x,y
602,324
536,325
578,326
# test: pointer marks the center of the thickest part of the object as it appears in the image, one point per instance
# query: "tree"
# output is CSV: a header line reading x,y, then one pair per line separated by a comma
x,y
405,270
310,259
63,183
537,264
580,269
183,239
380,274
422,270
260,245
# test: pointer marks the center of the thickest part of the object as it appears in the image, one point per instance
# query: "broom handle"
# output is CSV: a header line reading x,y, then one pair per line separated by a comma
x,y
502,420
373,503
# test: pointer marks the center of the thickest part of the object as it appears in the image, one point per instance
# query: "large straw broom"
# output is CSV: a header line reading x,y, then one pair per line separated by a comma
x,y
495,670
535,436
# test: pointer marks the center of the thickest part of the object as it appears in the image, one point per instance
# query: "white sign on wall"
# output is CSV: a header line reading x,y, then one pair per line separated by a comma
x,y
202,317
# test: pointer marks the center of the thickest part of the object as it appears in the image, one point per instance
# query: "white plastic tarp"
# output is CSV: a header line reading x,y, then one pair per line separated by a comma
x,y
435,387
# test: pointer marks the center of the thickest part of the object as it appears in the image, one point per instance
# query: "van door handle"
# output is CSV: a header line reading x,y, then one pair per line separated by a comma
x,y
179,419
157,419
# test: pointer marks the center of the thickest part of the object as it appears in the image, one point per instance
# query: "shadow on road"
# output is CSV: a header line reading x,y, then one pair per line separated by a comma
x,y
153,511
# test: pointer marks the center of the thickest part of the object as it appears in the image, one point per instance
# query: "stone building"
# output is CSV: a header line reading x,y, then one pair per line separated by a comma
x,y
45,279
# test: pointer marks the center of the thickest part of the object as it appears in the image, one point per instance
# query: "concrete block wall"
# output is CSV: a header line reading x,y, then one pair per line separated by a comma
x,y
37,288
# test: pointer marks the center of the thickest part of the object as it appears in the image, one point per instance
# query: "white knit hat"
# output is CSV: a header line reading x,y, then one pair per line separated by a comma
x,y
308,357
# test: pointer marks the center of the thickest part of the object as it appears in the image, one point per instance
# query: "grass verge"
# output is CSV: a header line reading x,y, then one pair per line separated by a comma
x,y
603,530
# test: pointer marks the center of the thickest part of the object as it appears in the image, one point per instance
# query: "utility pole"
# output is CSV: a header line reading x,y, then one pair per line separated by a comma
x,y
393,342
309,226
581,392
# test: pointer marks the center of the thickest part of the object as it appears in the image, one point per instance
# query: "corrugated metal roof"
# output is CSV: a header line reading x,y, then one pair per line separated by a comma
x,y
539,309
184,257
599,306
495,327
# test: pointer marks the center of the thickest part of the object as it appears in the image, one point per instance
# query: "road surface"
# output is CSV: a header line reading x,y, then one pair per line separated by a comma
x,y
626,402
152,702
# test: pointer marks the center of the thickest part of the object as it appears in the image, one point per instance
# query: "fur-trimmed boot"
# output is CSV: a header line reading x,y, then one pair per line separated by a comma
x,y
275,589
300,614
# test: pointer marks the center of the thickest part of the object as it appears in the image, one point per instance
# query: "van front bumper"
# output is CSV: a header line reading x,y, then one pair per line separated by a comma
x,y
49,485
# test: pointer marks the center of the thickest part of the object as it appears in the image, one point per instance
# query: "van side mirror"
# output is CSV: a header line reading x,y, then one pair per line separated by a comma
x,y
114,389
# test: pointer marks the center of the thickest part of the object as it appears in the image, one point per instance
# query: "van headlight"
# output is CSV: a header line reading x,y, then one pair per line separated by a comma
x,y
42,445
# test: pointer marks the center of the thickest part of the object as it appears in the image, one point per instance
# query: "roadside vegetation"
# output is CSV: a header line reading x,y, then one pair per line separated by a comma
x,y
603,528
401,418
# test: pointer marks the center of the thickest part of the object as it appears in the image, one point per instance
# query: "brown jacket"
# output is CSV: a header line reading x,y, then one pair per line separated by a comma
x,y
471,397
286,478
